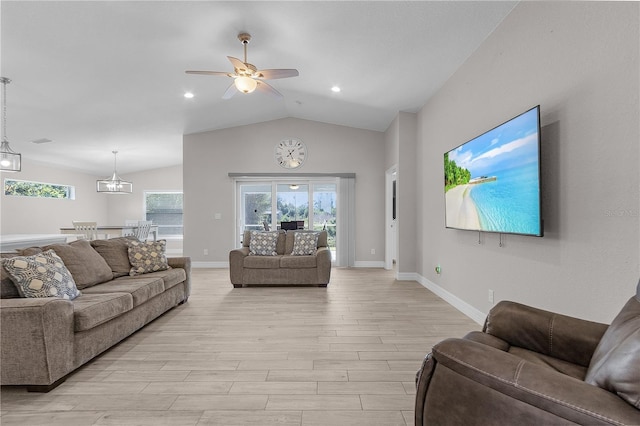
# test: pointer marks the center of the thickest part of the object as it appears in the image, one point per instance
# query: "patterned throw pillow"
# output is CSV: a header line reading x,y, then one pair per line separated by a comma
x,y
263,243
305,243
41,275
147,256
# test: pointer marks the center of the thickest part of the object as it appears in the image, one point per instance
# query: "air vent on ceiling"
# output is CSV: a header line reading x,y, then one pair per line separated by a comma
x,y
41,141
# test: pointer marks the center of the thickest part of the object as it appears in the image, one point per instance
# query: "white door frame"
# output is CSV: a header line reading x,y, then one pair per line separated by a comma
x,y
391,225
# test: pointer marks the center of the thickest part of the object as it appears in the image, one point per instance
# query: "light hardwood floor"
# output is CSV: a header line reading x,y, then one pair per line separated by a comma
x,y
293,356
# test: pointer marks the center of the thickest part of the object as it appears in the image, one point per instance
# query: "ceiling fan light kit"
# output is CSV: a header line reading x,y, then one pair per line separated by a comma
x,y
245,84
246,77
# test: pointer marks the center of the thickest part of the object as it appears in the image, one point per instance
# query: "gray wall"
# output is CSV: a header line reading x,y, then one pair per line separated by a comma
x,y
131,207
400,150
579,61
28,215
210,156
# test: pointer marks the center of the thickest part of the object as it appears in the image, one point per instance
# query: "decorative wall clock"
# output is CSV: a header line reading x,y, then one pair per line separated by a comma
x,y
290,153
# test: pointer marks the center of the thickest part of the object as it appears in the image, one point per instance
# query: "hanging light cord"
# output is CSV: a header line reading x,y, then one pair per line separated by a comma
x,y
5,81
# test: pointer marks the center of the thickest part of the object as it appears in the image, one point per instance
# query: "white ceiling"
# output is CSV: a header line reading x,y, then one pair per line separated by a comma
x,y
100,76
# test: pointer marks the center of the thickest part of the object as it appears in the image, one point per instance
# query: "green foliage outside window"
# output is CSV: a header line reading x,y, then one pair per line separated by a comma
x,y
257,208
36,189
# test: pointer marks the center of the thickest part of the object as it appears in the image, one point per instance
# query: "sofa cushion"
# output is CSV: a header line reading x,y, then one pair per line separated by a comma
x,y
85,264
41,275
294,261
90,310
147,256
615,364
141,289
305,243
115,252
262,262
170,277
263,243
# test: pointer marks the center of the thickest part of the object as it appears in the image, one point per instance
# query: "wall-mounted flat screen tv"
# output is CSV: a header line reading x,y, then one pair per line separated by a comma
x,y
492,182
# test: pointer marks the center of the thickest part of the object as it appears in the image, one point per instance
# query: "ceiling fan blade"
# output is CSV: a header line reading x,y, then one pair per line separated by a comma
x,y
230,91
208,72
266,88
237,63
276,73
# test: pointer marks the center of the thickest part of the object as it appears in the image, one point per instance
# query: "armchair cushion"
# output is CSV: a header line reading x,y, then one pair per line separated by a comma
x,y
615,365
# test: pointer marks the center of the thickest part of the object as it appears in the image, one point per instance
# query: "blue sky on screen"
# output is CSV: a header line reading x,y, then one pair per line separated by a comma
x,y
511,144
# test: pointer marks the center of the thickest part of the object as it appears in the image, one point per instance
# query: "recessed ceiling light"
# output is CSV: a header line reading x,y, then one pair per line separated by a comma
x,y
335,89
188,95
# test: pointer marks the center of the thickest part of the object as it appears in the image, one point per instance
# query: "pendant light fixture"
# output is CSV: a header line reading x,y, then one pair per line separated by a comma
x,y
114,185
10,161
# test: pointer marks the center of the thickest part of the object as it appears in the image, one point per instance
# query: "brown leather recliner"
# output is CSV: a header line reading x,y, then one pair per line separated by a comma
x,y
534,367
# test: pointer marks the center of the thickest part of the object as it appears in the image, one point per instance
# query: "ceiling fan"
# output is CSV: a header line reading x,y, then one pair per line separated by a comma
x,y
246,77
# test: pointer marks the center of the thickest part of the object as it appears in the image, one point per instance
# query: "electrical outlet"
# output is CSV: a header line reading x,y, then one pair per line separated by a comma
x,y
490,296
373,251
206,252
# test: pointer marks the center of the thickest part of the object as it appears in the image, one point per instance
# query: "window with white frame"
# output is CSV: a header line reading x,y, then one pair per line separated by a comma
x,y
26,188
164,209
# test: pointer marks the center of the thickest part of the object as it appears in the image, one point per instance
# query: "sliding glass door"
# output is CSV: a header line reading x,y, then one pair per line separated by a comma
x,y
266,204
293,203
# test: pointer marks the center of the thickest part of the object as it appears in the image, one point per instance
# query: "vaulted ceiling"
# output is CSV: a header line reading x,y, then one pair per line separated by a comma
x,y
93,77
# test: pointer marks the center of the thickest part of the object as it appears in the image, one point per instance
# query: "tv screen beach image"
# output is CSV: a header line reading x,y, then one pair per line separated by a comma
x,y
492,183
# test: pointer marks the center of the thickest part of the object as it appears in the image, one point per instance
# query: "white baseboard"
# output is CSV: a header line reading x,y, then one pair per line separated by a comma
x,y
450,298
358,264
408,276
217,265
368,264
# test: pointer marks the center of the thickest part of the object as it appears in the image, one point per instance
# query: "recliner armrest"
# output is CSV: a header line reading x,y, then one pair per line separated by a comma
x,y
559,336
536,385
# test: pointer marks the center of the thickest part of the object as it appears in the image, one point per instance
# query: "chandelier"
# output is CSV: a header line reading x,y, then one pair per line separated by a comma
x,y
10,161
114,185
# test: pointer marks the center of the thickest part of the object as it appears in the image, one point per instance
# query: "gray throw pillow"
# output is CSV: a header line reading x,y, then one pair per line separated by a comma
x,y
147,256
305,243
263,243
41,275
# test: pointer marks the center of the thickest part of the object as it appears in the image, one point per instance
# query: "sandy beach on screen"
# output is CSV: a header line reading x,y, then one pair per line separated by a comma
x,y
461,210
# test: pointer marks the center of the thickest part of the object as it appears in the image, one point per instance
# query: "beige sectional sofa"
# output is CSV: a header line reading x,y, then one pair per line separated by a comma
x,y
282,268
45,339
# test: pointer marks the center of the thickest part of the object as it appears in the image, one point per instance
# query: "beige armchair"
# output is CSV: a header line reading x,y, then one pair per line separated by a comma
x,y
533,367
